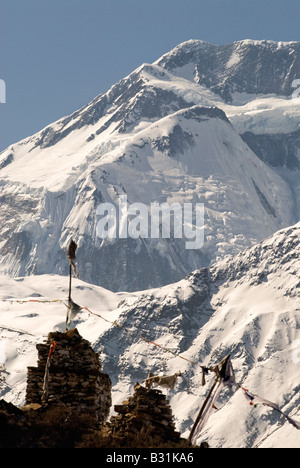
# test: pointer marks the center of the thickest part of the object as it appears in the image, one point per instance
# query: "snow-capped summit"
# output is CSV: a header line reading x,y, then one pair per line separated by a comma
x,y
244,67
161,135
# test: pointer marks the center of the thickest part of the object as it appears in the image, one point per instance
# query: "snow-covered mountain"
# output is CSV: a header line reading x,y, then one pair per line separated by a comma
x,y
198,126
246,306
217,125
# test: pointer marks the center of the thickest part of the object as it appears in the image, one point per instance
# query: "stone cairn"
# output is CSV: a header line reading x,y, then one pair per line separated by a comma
x,y
146,412
75,379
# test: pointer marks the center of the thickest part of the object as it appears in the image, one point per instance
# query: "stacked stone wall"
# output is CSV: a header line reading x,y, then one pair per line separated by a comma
x,y
75,377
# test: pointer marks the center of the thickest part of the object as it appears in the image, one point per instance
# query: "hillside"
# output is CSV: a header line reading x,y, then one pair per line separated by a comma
x,y
245,306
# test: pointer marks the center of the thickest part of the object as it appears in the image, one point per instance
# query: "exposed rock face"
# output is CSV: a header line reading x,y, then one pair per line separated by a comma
x,y
75,376
254,67
277,150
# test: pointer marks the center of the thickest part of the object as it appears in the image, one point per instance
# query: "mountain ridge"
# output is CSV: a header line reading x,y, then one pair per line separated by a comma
x,y
260,77
146,138
245,306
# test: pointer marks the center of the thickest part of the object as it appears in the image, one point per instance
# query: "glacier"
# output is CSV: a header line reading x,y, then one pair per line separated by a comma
x,y
159,135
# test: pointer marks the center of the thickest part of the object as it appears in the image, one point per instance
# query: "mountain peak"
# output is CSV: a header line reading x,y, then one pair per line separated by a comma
x,y
161,134
247,66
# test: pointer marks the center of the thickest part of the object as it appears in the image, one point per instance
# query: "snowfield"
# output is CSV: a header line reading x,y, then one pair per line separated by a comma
x,y
246,306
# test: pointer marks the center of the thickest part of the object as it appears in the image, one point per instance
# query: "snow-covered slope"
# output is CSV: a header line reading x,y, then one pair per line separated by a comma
x,y
246,306
259,82
271,128
161,134
25,321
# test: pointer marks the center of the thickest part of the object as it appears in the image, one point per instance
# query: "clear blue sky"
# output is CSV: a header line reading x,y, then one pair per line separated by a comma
x,y
57,55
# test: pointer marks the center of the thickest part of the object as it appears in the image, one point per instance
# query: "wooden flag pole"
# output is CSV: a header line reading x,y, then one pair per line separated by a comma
x,y
202,409
220,371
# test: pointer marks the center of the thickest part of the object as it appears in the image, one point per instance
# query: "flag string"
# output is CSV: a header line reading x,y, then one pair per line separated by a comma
x,y
25,301
251,397
141,337
112,322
